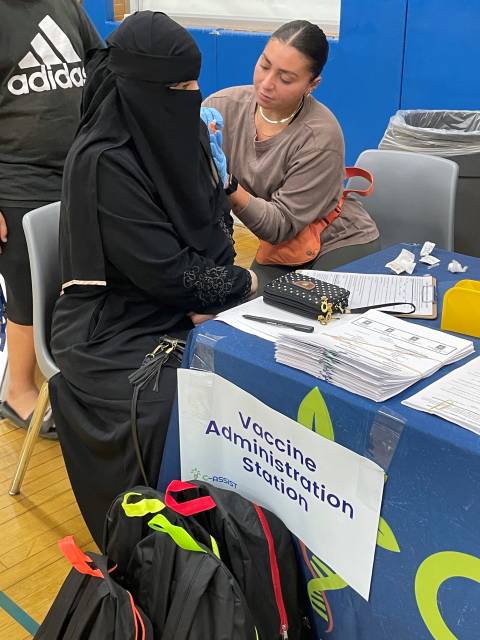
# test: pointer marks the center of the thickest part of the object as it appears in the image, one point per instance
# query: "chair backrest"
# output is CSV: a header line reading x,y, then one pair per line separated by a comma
x,y
41,232
414,196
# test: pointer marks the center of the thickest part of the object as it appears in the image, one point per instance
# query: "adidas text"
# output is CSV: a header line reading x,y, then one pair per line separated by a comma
x,y
47,80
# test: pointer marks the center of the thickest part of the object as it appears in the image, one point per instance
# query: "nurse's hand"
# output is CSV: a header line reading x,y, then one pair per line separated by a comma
x,y
210,115
214,121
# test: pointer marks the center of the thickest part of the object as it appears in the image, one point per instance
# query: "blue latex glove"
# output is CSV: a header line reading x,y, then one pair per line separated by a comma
x,y
218,156
210,115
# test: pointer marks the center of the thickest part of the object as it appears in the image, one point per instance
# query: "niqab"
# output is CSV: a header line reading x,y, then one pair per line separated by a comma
x,y
127,98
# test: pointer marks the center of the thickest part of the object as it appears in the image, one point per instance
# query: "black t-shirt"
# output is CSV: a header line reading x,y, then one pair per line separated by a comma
x,y
42,50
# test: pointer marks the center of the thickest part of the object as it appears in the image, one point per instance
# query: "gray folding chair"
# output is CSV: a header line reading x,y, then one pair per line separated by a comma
x,y
41,232
414,196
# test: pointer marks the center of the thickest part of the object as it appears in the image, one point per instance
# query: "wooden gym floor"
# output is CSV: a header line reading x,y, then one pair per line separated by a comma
x,y
31,566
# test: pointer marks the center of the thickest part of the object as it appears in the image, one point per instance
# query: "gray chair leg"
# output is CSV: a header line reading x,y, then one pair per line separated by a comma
x,y
4,384
30,439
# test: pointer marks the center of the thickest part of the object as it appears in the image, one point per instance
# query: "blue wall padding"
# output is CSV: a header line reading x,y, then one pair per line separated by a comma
x,y
442,55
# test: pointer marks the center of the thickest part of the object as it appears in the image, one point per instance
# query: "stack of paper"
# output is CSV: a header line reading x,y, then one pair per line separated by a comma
x,y
374,355
455,397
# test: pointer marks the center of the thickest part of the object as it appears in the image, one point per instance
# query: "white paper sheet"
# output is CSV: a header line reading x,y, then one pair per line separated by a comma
x,y
455,397
258,307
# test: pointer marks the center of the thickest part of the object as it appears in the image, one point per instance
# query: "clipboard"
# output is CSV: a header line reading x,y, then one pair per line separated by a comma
x,y
364,290
434,313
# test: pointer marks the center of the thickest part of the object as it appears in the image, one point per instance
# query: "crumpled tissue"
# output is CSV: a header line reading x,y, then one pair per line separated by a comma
x,y
425,254
455,267
405,261
427,249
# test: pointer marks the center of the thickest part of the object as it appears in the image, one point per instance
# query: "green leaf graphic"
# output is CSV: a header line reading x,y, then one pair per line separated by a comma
x,y
431,574
315,595
313,414
327,579
386,538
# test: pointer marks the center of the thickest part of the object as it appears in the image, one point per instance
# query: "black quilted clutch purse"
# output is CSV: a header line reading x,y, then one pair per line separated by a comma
x,y
306,296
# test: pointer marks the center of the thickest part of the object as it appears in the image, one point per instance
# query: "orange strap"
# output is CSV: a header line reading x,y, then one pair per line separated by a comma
x,y
78,559
351,172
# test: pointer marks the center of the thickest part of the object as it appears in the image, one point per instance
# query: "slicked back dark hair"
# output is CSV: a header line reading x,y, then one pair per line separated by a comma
x,y
308,39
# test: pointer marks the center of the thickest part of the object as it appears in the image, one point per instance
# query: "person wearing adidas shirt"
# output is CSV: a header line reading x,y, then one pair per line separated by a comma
x,y
43,44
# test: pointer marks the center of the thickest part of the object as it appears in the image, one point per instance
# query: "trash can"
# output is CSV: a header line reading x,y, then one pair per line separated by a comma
x,y
454,135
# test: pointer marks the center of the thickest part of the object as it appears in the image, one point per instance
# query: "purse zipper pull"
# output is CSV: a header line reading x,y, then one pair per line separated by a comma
x,y
284,632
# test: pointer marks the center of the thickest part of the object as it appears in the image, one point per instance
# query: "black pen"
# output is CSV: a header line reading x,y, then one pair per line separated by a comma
x,y
306,328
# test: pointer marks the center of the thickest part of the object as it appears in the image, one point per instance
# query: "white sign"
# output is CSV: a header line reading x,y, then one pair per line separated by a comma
x,y
252,15
327,495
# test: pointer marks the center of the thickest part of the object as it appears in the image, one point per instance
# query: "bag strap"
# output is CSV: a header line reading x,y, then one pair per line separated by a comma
x,y
77,558
138,623
179,535
190,507
351,172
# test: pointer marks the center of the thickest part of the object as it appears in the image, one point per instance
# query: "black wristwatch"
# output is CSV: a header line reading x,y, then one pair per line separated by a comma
x,y
232,185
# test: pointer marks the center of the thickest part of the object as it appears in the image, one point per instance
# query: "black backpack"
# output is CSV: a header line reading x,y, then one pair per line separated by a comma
x,y
91,605
253,543
187,591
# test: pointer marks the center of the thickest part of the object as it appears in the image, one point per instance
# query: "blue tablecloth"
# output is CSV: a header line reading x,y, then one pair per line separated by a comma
x,y
426,579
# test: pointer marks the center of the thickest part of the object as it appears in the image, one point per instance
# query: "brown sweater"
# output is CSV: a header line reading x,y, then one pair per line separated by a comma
x,y
294,177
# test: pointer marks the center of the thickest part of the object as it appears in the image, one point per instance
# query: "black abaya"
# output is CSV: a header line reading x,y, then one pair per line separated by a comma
x,y
145,239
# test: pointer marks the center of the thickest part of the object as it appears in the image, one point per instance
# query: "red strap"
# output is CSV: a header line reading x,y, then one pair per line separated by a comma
x,y
77,558
351,172
191,507
357,172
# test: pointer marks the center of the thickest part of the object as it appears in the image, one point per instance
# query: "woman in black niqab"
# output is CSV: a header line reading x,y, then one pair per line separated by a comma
x,y
145,240
129,95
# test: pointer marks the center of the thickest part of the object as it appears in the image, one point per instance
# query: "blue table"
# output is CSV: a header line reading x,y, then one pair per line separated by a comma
x,y
426,579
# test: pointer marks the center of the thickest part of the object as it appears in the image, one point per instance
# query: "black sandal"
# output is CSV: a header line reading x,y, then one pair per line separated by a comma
x,y
47,429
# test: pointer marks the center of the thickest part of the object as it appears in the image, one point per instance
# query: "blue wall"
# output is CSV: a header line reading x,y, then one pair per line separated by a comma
x,y
442,55
391,54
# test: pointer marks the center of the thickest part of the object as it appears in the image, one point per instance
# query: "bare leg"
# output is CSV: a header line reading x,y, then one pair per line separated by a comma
x,y
22,391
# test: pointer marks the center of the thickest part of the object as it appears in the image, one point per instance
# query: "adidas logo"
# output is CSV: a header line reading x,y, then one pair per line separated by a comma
x,y
51,54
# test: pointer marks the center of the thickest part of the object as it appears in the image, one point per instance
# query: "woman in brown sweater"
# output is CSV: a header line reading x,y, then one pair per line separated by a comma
x,y
286,151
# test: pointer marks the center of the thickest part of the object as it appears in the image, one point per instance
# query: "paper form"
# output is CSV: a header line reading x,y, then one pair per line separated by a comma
x,y
257,307
368,289
455,397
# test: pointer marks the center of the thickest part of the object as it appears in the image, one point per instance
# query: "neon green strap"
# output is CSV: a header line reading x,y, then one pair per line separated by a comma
x,y
181,537
215,549
142,507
